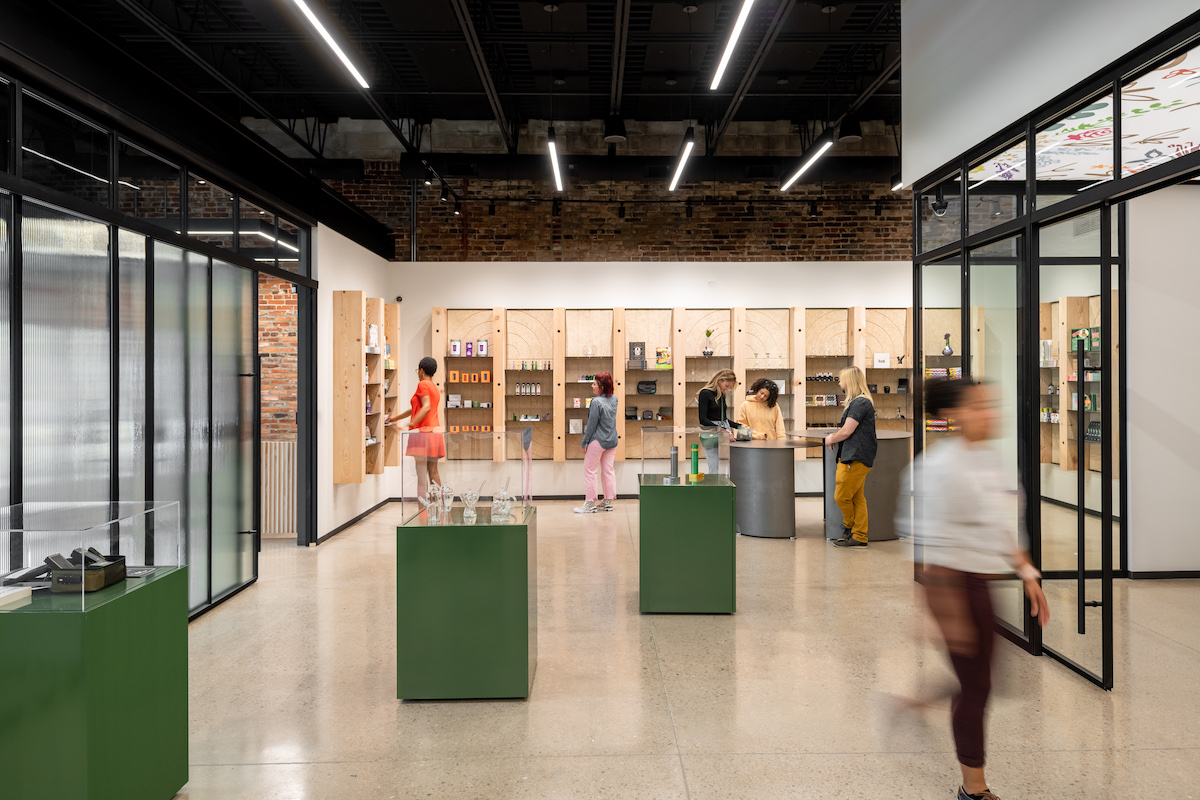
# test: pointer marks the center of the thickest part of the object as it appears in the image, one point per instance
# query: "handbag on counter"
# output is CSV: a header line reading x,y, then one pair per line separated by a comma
x,y
647,387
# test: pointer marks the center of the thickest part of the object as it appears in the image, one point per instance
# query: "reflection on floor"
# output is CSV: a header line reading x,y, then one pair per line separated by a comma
x,y
293,685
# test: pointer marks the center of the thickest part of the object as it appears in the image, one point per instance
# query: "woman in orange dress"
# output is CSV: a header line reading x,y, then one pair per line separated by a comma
x,y
427,446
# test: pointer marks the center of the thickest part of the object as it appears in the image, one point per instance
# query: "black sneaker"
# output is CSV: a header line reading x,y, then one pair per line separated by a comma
x,y
986,794
851,542
846,533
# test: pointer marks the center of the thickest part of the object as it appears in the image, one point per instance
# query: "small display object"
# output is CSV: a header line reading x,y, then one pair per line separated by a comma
x,y
454,429
587,403
708,351
662,358
481,347
1046,353
575,426
474,376
469,346
631,412
485,428
452,377
485,376
372,338
578,402
456,347
648,414
883,360
902,386
485,405
454,401
637,351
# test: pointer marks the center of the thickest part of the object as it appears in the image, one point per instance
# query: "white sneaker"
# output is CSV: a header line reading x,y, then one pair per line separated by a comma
x,y
588,507
608,505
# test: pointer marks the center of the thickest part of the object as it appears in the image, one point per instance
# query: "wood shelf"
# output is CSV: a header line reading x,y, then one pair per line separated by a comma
x,y
359,377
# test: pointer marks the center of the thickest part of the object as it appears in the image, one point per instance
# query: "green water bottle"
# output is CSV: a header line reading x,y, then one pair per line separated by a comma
x,y
695,459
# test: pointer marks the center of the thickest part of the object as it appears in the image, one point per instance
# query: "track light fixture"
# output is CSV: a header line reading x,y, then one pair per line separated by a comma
x,y
750,209
316,23
445,193
614,129
897,182
732,43
621,211
491,208
850,130
429,176
815,152
689,141
552,146
556,207
687,209
879,208
813,211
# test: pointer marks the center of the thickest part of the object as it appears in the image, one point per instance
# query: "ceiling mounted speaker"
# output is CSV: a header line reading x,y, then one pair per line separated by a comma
x,y
614,129
850,130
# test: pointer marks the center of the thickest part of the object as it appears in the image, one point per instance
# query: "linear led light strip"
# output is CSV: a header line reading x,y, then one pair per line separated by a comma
x,y
77,169
689,141
733,37
828,144
552,144
316,23
279,242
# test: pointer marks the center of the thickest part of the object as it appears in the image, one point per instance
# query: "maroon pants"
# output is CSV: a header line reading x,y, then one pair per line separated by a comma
x,y
974,674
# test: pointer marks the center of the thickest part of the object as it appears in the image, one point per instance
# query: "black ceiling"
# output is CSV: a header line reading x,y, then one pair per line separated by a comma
x,y
517,61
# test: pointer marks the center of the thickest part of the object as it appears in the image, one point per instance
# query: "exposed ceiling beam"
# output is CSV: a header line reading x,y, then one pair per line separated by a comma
x,y
620,47
867,93
756,62
481,67
164,33
529,37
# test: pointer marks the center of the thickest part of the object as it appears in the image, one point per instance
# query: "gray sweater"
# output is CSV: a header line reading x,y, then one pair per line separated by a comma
x,y
602,422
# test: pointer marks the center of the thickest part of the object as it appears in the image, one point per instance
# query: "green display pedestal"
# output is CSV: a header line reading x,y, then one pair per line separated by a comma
x,y
686,534
466,606
93,703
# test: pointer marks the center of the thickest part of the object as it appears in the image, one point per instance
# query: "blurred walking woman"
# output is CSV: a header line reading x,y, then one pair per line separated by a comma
x,y
600,445
966,532
856,446
425,447
714,416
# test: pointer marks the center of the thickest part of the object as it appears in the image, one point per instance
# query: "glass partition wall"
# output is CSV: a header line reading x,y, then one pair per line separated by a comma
x,y
128,339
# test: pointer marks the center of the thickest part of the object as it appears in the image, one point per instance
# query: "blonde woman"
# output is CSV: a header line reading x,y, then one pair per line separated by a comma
x,y
856,445
760,411
714,416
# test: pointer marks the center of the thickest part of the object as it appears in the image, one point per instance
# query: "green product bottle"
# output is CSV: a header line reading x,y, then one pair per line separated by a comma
x,y
695,459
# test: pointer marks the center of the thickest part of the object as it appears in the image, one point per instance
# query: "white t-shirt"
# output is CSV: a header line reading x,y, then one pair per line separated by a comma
x,y
966,516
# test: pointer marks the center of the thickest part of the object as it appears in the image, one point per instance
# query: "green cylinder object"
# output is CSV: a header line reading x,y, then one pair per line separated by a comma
x,y
695,459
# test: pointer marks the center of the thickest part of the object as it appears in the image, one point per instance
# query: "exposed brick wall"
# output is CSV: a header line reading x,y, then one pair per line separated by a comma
x,y
277,345
655,227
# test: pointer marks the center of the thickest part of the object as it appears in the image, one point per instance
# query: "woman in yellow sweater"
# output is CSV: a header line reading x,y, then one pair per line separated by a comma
x,y
761,412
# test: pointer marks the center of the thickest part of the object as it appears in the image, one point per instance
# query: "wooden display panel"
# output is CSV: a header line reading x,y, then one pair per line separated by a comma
x,y
468,325
391,381
796,323
529,337
829,350
620,354
439,346
349,395
652,326
679,322
1073,312
699,368
374,417
588,351
1047,378
499,363
889,330
767,353
560,394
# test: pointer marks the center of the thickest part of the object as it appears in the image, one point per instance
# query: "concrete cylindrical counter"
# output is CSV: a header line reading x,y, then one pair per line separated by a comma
x,y
763,472
882,486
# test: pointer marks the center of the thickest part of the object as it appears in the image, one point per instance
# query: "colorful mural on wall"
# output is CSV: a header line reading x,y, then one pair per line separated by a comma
x,y
1160,121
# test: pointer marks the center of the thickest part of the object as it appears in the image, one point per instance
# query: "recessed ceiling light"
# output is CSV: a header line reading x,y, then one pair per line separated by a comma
x,y
551,7
672,81
828,8
690,8
781,82
559,80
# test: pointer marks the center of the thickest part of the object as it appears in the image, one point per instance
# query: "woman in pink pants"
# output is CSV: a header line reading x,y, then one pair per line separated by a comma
x,y
600,445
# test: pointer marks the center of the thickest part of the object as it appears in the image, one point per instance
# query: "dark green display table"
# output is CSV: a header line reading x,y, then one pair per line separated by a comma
x,y
93,702
466,606
686,534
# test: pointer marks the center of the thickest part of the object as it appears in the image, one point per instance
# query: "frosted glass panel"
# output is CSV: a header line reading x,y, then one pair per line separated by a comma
x,y
66,353
131,400
5,366
234,303
170,396
198,427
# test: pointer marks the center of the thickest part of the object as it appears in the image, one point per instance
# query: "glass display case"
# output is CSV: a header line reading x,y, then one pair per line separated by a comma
x,y
64,556
467,471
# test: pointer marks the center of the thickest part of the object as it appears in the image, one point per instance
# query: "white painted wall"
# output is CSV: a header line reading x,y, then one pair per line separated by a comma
x,y
1164,434
344,265
974,67
340,265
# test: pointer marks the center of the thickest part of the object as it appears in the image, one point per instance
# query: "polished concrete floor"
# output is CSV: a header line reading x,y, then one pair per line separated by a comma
x,y
293,685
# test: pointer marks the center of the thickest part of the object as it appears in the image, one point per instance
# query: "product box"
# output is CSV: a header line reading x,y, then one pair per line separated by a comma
x,y
575,426
578,403
470,346
662,359
456,347
452,377
454,401
485,428
481,347
474,377
454,429
485,376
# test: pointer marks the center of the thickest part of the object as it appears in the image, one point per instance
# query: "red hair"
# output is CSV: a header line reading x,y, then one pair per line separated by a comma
x,y
606,383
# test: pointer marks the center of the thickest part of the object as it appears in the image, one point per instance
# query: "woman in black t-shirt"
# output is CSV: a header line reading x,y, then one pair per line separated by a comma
x,y
856,443
714,416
